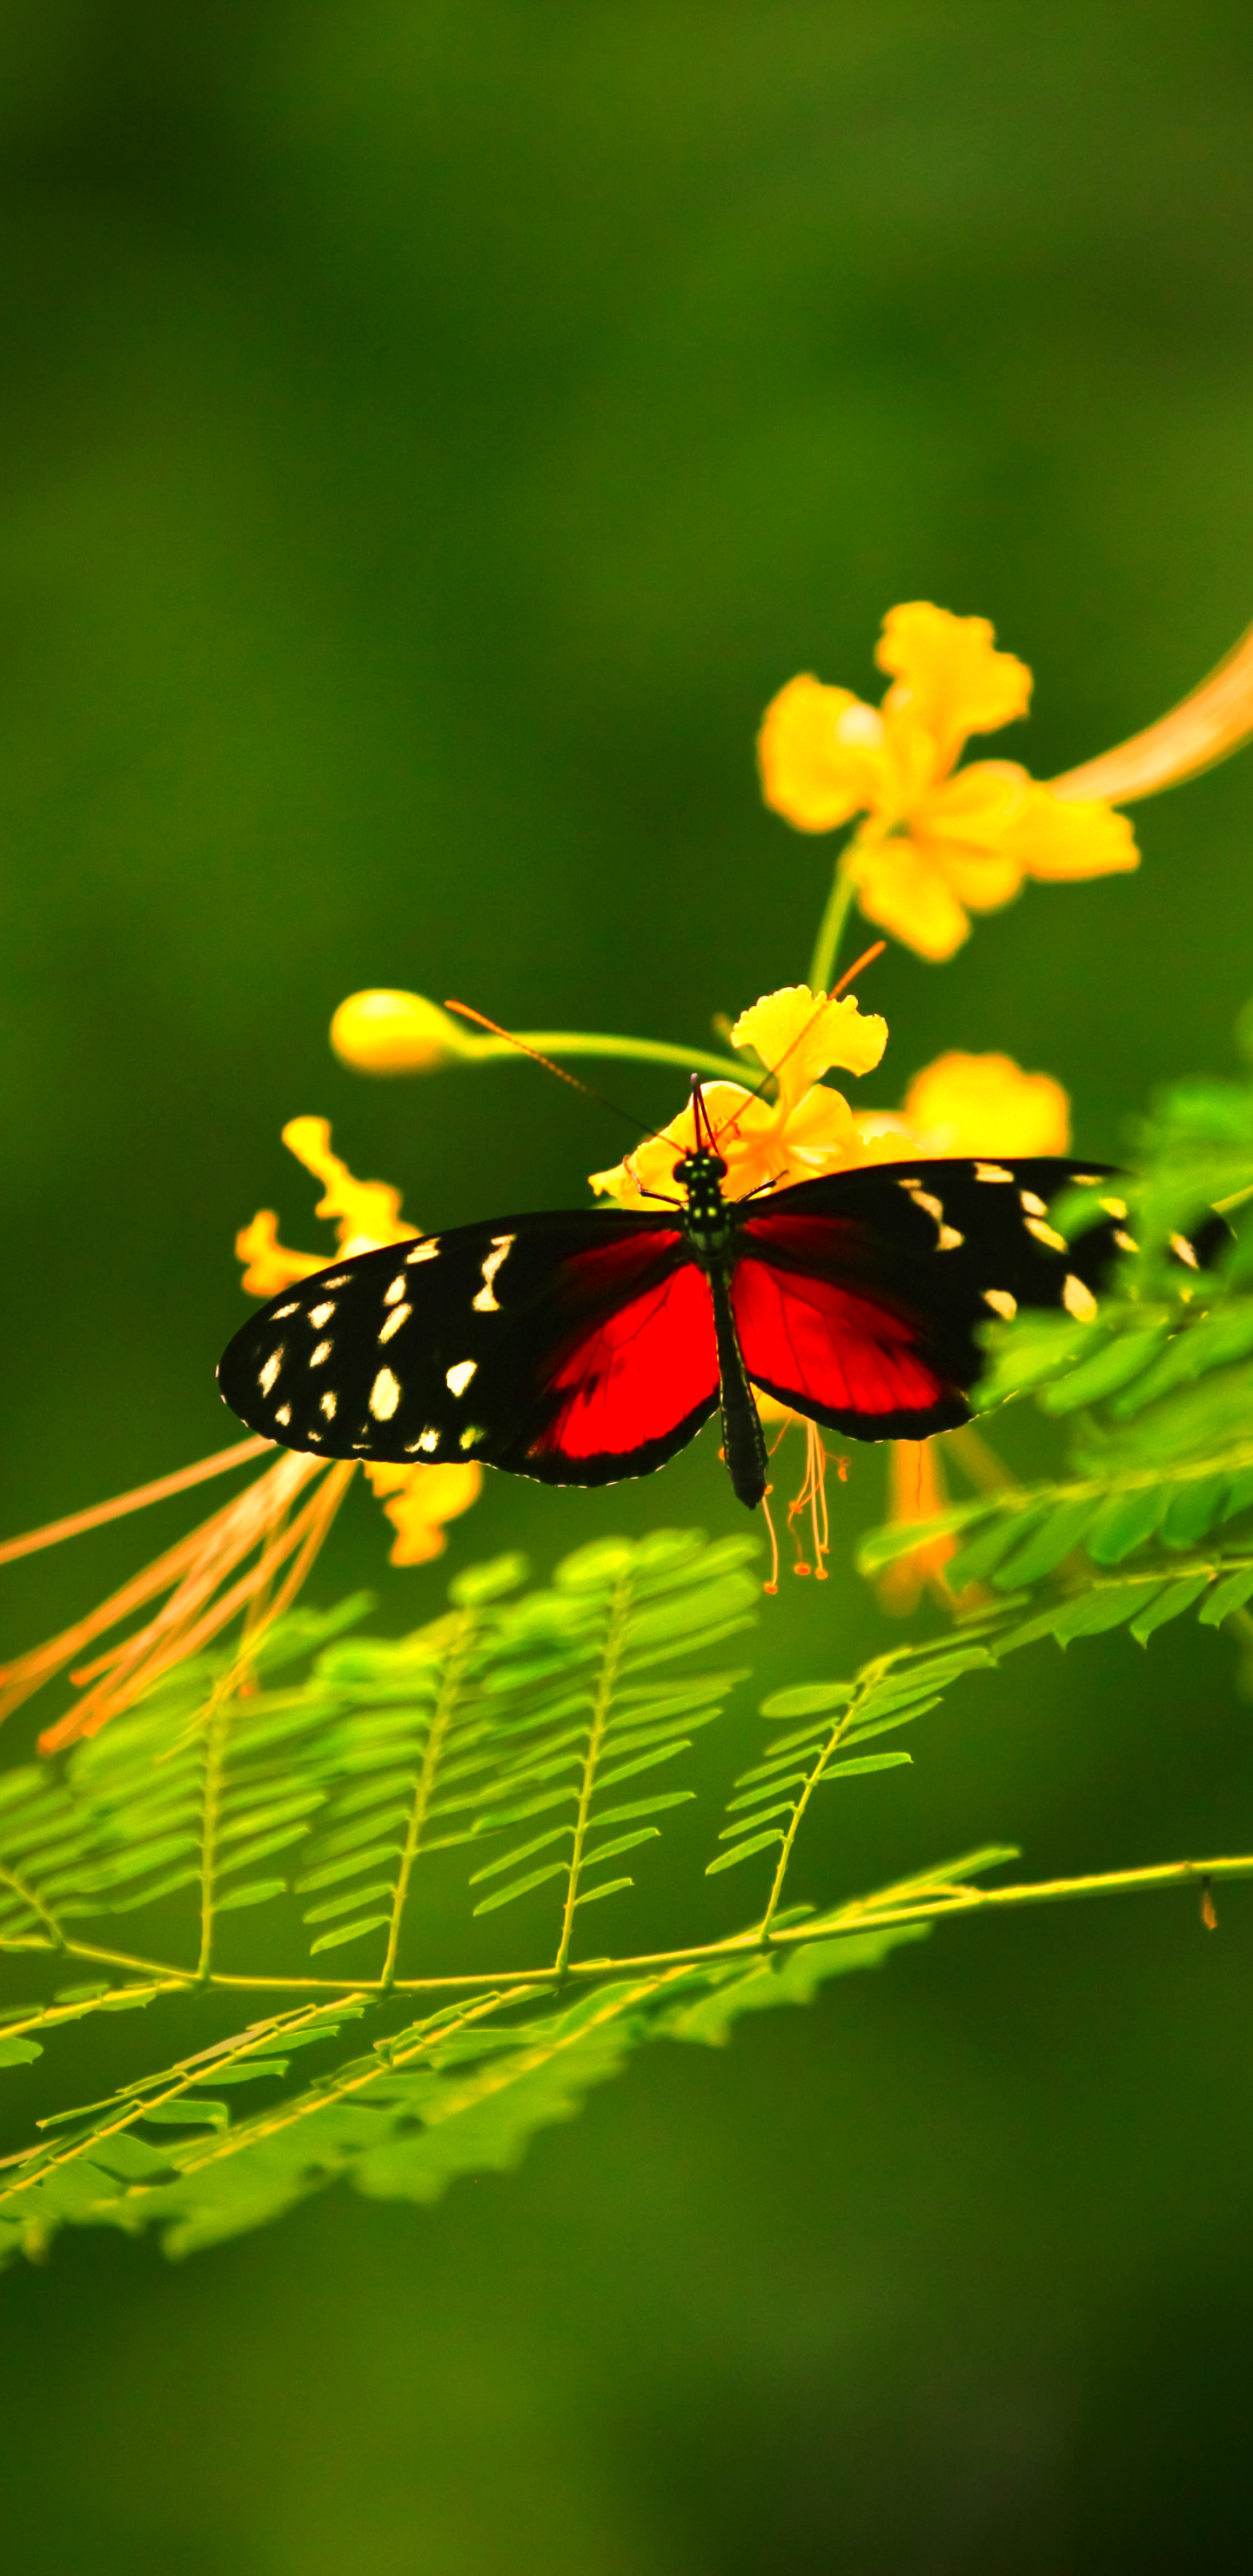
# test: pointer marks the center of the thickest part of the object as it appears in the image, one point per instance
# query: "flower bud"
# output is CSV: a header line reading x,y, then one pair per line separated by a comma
x,y
382,1032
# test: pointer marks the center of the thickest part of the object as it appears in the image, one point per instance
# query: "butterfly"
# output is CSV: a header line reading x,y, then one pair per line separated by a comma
x,y
583,1346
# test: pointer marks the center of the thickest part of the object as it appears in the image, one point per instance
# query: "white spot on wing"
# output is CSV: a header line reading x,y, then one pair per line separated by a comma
x,y
428,1439
321,1315
384,1396
1125,1242
1078,1300
329,1402
283,1414
1034,1206
280,1312
399,1315
457,1379
427,1250
471,1435
992,1172
271,1369
1184,1251
1001,1302
930,1206
949,1239
1114,1207
1047,1234
487,1302
339,1281
396,1290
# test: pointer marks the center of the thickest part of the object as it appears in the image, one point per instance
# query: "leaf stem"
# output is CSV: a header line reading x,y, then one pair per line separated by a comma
x,y
445,1709
615,1636
834,1740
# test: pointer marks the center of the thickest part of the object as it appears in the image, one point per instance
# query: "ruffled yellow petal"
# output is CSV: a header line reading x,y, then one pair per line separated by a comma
x,y
948,676
818,1134
985,1104
421,1500
1055,839
268,1264
821,754
800,1035
906,892
365,1213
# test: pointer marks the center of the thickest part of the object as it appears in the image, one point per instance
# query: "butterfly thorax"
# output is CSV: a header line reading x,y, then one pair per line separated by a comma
x,y
708,1223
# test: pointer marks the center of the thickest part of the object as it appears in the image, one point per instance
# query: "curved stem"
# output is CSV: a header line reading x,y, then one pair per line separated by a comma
x,y
587,1042
839,904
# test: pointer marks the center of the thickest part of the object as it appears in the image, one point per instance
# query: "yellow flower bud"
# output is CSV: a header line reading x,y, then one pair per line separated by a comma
x,y
382,1032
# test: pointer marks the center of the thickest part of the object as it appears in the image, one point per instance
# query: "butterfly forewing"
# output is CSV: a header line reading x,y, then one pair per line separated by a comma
x,y
568,1347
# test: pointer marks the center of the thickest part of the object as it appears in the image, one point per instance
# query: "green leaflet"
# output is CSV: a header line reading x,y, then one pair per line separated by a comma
x,y
18,2052
1106,1370
791,1977
1169,1604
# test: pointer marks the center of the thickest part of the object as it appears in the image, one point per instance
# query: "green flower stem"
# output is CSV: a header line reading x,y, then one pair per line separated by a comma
x,y
584,1042
831,927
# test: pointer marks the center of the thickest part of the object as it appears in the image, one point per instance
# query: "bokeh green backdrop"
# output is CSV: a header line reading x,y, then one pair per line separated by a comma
x,y
429,434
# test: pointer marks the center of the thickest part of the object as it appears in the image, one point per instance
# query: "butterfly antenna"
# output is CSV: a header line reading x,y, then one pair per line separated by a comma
x,y
867,958
464,1012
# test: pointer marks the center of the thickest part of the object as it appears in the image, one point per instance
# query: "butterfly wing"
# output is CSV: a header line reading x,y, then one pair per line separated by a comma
x,y
573,1347
857,1298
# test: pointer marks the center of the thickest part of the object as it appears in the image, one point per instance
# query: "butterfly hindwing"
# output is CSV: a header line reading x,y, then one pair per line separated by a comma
x,y
858,1297
573,1347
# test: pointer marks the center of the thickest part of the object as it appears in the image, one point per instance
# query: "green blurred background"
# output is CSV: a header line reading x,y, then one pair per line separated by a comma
x,y
429,435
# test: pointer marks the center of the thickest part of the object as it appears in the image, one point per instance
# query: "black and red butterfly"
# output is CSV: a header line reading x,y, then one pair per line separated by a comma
x,y
584,1346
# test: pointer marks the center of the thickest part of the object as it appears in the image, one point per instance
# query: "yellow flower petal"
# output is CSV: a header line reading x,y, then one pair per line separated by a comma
x,y
800,1035
821,754
985,1104
1055,839
269,1265
902,888
422,1499
948,676
366,1213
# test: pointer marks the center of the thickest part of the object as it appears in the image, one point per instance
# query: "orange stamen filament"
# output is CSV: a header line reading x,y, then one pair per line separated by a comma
x,y
813,1499
136,1501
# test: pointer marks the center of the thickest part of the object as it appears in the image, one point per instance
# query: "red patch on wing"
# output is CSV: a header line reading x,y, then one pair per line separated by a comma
x,y
639,1373
813,1342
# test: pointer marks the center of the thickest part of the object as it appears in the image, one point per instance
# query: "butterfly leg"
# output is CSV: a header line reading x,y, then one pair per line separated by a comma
x,y
743,1439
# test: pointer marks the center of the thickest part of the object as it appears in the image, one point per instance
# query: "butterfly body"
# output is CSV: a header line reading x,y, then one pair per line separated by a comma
x,y
582,1346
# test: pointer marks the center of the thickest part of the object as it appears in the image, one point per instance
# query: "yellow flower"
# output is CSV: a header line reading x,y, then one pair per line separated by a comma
x,y
365,1215
934,846
806,1130
973,1104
